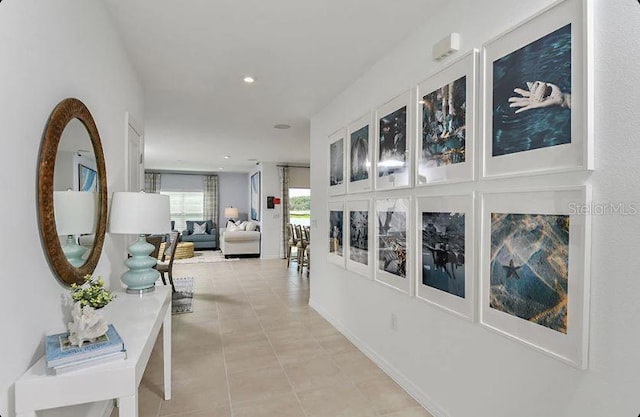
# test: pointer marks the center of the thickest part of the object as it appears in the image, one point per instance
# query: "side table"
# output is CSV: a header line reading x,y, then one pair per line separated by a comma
x,y
138,319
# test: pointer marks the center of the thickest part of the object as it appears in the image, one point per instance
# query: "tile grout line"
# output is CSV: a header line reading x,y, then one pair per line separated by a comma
x,y
224,357
278,359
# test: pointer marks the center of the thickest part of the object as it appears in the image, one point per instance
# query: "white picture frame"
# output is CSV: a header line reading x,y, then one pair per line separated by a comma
x,y
336,162
360,155
393,226
445,252
554,133
336,253
359,228
393,162
446,139
532,268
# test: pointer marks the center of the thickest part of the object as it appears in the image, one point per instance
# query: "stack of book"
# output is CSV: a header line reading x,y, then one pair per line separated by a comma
x,y
63,357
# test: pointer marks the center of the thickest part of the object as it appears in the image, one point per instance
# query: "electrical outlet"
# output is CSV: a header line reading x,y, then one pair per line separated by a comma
x,y
394,322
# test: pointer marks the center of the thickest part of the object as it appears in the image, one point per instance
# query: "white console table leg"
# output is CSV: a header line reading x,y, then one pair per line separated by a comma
x,y
166,349
128,406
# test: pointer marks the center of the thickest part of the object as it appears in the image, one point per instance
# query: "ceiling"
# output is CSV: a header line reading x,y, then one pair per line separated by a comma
x,y
192,56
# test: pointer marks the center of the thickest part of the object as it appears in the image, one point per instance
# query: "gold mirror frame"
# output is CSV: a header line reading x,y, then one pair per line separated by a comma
x,y
67,110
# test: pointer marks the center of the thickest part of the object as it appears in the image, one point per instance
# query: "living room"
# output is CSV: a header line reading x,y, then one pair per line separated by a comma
x,y
452,365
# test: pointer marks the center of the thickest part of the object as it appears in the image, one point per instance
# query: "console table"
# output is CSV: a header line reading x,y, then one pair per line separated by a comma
x,y
138,319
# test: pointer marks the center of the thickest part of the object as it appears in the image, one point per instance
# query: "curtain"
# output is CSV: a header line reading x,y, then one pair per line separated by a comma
x,y
211,198
284,191
152,182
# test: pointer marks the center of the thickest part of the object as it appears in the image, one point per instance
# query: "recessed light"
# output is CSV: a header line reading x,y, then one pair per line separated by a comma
x,y
249,80
227,156
282,126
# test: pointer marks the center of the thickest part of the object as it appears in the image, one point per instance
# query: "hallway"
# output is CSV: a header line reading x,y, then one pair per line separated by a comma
x,y
253,348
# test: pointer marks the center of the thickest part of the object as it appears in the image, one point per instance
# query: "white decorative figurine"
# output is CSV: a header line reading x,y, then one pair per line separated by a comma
x,y
87,325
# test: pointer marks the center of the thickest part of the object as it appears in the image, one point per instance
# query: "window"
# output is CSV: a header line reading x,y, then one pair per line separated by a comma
x,y
185,205
300,206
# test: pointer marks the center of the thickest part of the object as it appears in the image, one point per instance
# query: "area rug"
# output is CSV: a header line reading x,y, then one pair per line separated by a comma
x,y
205,256
182,300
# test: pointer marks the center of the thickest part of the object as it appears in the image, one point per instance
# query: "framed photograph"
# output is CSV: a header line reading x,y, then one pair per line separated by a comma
x,y
87,179
255,196
538,104
336,162
445,252
392,263
447,124
534,284
393,143
360,147
336,233
359,254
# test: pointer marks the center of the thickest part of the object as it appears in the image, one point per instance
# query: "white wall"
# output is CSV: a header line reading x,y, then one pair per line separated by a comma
x,y
232,191
458,368
270,219
50,51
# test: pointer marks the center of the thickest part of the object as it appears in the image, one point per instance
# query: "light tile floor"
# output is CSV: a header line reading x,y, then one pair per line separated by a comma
x,y
254,348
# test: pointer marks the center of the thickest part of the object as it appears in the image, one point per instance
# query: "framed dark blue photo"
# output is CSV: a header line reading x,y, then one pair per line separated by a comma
x,y
538,107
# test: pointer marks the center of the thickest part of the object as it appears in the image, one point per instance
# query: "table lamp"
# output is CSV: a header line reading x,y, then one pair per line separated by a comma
x,y
140,213
231,213
75,214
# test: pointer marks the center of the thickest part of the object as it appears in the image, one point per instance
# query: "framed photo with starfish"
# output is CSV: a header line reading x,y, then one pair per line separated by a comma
x,y
538,94
534,285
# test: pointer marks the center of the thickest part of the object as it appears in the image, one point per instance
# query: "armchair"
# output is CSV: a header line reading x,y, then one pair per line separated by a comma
x,y
206,240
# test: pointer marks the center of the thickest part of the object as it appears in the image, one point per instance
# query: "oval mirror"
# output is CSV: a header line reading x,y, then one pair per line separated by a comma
x,y
72,192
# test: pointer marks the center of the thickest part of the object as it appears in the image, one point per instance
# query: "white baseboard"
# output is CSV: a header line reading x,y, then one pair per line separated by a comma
x,y
425,400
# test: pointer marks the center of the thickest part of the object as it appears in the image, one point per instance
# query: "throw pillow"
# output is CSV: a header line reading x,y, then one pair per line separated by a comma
x,y
231,227
242,226
200,228
251,226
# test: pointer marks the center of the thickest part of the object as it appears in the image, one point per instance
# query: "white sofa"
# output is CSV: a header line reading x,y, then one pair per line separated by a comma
x,y
239,242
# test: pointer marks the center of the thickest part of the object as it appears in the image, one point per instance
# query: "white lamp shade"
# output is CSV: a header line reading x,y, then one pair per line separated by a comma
x,y
139,213
231,212
75,212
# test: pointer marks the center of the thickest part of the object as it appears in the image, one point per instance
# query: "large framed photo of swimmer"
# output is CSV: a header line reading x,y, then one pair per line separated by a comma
x,y
393,143
445,261
359,155
392,243
447,124
336,233
537,96
359,228
534,285
337,183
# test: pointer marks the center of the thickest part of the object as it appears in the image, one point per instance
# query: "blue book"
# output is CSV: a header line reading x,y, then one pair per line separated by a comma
x,y
59,350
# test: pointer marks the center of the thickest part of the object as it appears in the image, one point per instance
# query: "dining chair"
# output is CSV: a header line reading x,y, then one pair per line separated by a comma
x,y
166,267
156,241
292,242
301,246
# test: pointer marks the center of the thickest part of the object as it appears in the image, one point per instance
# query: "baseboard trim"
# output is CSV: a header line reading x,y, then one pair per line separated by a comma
x,y
425,400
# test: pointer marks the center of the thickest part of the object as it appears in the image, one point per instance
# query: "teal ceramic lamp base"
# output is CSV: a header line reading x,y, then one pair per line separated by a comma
x,y
141,276
73,252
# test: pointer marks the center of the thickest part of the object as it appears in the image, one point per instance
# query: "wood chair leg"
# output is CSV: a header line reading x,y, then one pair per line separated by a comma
x,y
288,255
163,280
173,287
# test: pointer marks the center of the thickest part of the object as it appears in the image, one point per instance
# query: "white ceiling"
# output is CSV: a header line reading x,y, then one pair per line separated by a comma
x,y
191,57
